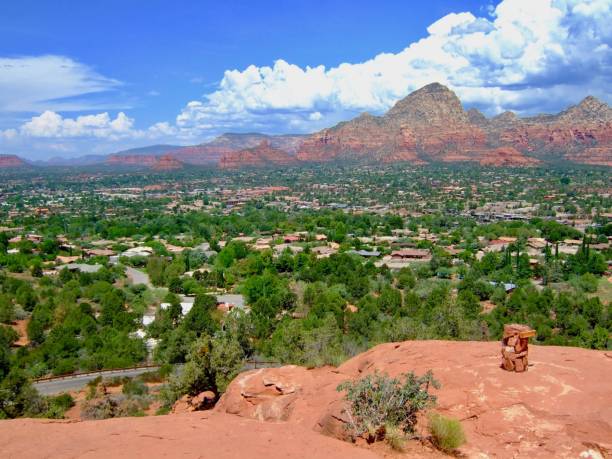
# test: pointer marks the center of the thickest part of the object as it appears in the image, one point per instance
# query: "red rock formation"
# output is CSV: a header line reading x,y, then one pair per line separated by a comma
x,y
11,161
559,408
596,156
210,153
260,156
431,125
167,163
505,156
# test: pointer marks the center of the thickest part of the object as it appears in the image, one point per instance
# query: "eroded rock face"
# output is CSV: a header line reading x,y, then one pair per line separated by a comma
x,y
260,156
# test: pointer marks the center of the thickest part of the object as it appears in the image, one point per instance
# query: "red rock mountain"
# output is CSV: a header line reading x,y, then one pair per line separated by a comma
x,y
11,161
429,125
260,156
210,153
559,408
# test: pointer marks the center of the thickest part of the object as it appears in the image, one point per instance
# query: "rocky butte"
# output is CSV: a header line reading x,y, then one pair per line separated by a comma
x,y
560,408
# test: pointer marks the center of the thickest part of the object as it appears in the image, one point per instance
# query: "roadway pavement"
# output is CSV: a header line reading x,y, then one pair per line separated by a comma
x,y
77,382
138,277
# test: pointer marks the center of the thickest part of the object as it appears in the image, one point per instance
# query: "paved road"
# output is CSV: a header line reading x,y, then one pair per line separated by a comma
x,y
77,382
138,277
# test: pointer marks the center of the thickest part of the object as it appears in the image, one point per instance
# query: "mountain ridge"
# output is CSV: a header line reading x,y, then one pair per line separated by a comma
x,y
428,125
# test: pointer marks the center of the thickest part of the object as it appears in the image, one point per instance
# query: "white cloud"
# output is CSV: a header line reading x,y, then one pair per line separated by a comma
x,y
37,83
527,55
8,134
52,125
162,129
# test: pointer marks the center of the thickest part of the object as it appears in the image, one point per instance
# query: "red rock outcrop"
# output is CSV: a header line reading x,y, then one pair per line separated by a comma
x,y
559,408
188,403
11,161
260,156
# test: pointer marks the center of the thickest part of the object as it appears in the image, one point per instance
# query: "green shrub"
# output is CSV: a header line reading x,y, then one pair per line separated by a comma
x,y
134,387
163,410
152,376
447,433
377,401
114,406
97,409
58,405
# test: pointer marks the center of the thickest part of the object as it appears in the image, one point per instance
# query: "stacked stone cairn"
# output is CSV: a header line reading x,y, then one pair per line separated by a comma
x,y
515,347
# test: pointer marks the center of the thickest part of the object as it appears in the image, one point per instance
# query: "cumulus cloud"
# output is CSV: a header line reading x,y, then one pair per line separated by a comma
x,y
161,129
51,124
527,55
37,83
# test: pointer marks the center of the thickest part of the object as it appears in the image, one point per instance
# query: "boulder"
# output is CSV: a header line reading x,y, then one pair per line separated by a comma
x,y
188,403
335,422
266,394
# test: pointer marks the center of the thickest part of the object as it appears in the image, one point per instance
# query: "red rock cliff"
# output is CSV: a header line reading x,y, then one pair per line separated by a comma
x,y
260,156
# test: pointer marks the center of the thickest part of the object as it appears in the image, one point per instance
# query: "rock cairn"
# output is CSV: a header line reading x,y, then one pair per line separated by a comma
x,y
515,347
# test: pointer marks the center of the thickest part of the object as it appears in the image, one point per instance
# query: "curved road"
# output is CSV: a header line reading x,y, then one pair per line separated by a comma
x,y
77,382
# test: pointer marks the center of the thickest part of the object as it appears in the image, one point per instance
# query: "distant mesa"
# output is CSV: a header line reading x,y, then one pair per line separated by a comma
x,y
11,162
430,125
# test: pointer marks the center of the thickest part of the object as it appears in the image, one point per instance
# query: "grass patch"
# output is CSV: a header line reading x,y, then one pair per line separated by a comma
x,y
395,437
447,433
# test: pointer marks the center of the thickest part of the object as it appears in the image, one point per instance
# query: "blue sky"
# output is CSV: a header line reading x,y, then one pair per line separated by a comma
x,y
82,77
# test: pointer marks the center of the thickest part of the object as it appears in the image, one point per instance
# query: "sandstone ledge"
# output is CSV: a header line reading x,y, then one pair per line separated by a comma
x,y
560,407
